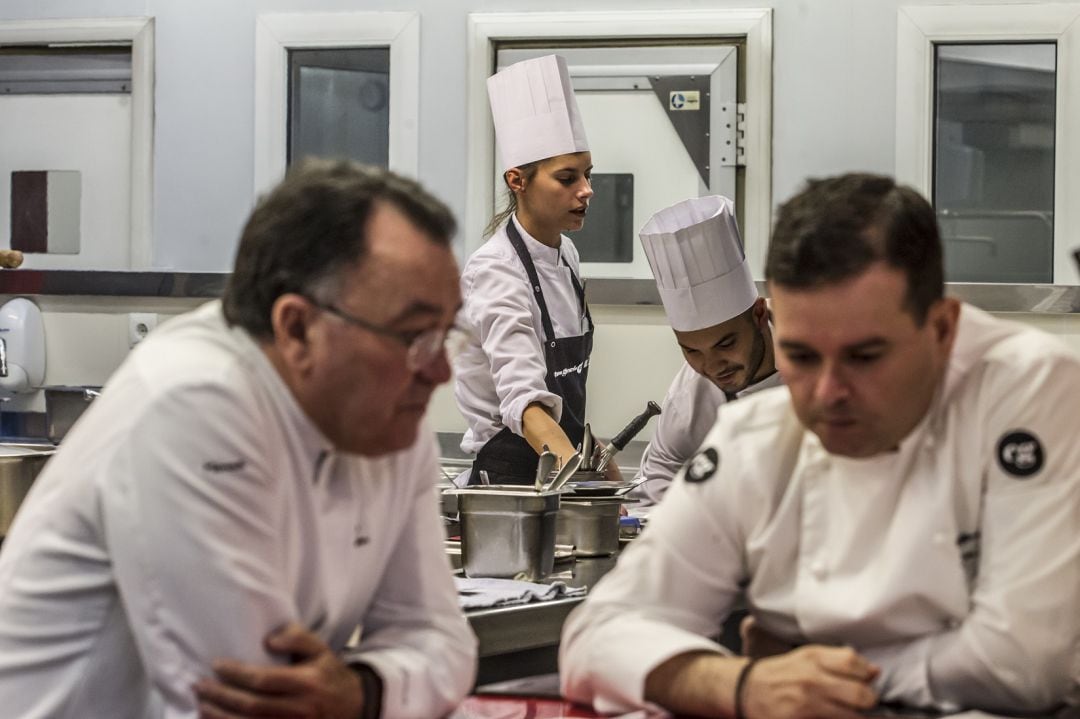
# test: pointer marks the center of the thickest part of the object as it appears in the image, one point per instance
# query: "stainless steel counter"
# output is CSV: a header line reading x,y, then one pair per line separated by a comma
x,y
523,640
505,630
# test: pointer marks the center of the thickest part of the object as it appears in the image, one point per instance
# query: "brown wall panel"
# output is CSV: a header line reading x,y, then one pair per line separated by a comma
x,y
29,211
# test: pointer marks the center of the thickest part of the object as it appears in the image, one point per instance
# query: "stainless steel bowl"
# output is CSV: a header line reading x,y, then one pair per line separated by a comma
x,y
19,466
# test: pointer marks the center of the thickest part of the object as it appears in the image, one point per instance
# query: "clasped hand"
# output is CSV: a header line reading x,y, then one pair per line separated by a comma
x,y
317,685
811,681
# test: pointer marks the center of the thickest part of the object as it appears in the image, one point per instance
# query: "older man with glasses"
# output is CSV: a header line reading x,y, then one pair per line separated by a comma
x,y
254,484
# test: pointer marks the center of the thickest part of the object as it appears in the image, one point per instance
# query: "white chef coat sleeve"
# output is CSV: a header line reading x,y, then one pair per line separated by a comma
x,y
1019,647
498,304
187,516
671,589
687,415
414,633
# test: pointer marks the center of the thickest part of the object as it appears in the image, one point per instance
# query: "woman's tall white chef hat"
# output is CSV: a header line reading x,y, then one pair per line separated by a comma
x,y
536,115
697,259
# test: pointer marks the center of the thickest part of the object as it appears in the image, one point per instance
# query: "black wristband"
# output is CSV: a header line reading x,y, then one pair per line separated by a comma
x,y
740,684
372,686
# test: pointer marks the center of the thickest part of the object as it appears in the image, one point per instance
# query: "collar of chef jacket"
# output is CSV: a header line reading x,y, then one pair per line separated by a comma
x,y
311,437
538,250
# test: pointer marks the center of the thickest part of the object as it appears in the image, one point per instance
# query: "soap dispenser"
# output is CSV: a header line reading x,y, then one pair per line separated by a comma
x,y
22,347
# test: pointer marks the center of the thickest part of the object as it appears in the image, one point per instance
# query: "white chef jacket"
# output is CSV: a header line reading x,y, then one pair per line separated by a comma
x,y
689,412
195,508
501,369
958,576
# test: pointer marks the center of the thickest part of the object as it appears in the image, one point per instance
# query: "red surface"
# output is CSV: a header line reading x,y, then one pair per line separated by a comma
x,y
491,707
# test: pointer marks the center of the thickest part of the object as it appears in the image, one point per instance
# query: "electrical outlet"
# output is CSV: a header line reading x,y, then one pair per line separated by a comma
x,y
139,325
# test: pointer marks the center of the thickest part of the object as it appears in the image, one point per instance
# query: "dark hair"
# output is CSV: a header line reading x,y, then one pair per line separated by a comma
x,y
529,171
838,226
310,227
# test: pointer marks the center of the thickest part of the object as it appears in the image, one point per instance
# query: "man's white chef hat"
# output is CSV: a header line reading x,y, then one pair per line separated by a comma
x,y
697,258
536,115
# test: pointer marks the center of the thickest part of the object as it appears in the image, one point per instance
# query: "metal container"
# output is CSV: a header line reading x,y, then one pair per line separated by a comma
x,y
19,466
448,501
507,531
64,405
588,475
590,524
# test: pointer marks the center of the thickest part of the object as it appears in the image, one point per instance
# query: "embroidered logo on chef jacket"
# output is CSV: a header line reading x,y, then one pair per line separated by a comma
x,y
702,465
234,466
1020,453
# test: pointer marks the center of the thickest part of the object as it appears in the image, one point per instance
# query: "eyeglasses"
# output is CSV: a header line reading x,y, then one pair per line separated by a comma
x,y
421,347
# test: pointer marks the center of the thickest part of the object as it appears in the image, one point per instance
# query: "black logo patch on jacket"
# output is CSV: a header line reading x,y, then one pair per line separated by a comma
x,y
702,465
1020,453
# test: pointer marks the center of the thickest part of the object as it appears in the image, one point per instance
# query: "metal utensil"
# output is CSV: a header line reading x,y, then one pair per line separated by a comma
x,y
543,467
484,480
565,473
628,433
623,490
587,448
604,488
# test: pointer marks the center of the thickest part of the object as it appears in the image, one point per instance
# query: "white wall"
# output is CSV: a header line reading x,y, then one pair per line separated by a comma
x,y
834,68
834,106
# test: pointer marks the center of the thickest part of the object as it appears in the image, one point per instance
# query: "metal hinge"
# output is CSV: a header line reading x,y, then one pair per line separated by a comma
x,y
732,133
740,135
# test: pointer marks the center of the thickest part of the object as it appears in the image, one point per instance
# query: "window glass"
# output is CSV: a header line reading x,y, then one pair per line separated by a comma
x,y
993,189
339,104
661,120
609,233
65,151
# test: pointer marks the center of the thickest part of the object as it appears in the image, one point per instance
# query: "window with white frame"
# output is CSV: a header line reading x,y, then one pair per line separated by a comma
x,y
336,84
76,167
987,108
662,54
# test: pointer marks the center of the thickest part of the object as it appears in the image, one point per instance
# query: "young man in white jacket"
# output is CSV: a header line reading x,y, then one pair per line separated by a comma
x,y
254,483
904,515
719,321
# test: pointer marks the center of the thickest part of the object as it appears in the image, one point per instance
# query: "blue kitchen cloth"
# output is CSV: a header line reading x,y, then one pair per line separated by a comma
x,y
483,593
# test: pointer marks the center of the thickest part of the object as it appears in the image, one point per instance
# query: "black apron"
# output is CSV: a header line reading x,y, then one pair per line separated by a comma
x,y
507,458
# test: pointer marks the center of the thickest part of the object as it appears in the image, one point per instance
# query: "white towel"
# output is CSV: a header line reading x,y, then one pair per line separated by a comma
x,y
482,593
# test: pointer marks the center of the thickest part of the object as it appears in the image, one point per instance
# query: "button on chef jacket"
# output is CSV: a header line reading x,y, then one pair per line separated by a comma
x,y
953,563
501,370
688,413
193,509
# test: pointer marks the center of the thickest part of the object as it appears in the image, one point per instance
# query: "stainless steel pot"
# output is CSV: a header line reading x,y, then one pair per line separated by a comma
x,y
507,531
590,524
19,466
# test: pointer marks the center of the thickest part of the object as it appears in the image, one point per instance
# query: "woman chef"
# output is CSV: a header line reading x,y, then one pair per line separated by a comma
x,y
520,379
